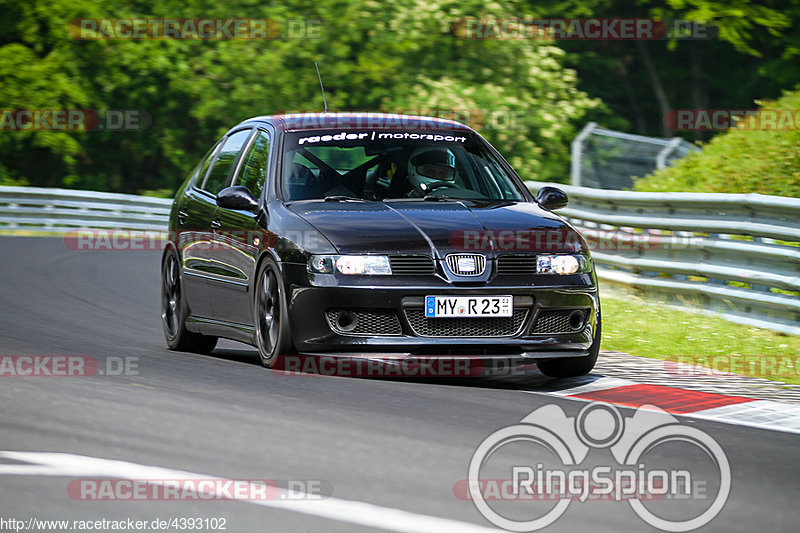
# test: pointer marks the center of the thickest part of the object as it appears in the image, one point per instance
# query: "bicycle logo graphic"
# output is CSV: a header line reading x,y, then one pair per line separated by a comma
x,y
599,426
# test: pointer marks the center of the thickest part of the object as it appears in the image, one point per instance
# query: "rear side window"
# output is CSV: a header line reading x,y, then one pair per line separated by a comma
x,y
254,169
220,175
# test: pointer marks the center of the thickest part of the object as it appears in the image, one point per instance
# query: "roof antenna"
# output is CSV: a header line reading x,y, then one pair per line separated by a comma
x,y
324,100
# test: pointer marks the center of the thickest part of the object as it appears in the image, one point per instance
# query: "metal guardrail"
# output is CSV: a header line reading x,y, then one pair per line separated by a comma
x,y
734,254
737,255
61,210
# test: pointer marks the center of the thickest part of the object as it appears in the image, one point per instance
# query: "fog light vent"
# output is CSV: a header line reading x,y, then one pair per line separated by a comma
x,y
364,322
550,321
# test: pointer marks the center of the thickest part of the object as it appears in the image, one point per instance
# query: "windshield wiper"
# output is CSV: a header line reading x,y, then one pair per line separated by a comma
x,y
439,198
422,199
343,198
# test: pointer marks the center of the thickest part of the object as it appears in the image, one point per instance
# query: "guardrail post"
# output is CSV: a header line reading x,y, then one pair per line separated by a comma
x,y
577,151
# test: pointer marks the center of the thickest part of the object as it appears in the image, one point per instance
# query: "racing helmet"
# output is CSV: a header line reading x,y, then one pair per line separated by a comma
x,y
428,165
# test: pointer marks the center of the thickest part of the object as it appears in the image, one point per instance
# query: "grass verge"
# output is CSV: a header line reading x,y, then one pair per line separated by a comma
x,y
642,327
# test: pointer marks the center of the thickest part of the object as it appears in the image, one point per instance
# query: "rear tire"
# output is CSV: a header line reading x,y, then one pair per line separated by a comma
x,y
569,367
174,312
273,334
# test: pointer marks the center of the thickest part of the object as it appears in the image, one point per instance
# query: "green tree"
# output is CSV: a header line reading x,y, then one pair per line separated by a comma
x,y
391,55
742,159
751,53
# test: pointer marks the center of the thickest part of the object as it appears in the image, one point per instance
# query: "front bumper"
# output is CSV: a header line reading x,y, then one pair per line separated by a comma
x,y
398,302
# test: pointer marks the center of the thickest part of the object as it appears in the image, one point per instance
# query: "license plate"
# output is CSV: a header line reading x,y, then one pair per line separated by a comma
x,y
468,306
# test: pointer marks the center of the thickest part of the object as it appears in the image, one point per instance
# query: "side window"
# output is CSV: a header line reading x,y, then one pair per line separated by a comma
x,y
199,171
220,175
254,169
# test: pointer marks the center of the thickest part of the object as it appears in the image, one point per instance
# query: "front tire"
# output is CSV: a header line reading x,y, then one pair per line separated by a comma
x,y
273,334
569,367
174,312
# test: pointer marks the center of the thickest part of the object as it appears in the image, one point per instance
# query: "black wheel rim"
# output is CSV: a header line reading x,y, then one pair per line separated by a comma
x,y
268,312
171,297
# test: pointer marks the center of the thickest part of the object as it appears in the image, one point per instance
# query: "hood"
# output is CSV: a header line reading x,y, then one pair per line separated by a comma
x,y
439,228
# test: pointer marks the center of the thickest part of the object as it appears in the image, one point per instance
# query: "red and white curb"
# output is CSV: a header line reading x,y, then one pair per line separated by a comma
x,y
729,409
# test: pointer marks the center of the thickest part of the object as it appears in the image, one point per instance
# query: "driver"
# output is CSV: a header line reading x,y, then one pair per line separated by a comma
x,y
430,168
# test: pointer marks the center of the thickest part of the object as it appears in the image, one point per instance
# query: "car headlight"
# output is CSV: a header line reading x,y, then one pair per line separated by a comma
x,y
372,265
321,264
563,264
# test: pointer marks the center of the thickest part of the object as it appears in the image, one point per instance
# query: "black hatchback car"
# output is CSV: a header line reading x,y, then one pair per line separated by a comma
x,y
369,233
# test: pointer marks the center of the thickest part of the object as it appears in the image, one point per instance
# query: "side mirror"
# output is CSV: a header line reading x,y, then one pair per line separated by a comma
x,y
552,198
238,198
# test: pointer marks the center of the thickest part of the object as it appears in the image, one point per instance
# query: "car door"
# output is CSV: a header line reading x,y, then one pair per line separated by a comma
x,y
239,237
194,215
202,261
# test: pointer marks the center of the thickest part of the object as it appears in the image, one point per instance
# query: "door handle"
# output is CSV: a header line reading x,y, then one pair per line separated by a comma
x,y
216,224
182,216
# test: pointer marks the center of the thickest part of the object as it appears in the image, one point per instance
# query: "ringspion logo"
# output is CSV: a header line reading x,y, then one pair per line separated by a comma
x,y
524,477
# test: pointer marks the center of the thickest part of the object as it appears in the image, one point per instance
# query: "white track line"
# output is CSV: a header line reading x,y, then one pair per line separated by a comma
x,y
354,512
596,385
762,414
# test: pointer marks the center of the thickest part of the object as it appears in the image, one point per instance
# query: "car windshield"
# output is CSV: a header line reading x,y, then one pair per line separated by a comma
x,y
377,165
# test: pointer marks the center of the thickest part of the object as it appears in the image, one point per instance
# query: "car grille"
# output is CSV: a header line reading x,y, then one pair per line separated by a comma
x,y
479,262
465,327
411,265
516,264
550,321
368,322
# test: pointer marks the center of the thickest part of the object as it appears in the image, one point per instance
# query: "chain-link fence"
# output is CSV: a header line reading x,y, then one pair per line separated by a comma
x,y
607,159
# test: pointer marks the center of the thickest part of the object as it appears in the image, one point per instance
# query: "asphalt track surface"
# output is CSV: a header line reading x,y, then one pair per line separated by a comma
x,y
397,444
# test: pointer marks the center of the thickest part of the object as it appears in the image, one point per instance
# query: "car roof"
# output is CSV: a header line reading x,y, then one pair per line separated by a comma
x,y
358,121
